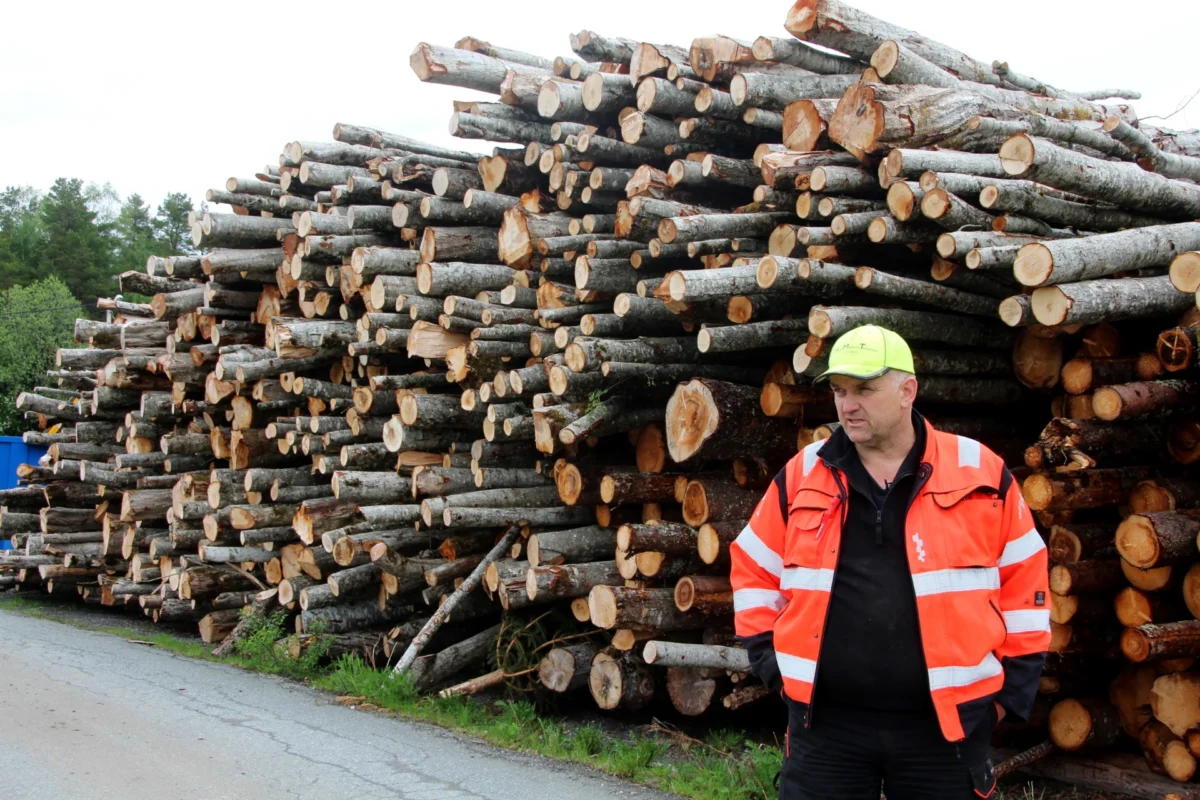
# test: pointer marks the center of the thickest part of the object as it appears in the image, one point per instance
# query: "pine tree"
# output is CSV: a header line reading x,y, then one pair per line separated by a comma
x,y
171,224
77,247
136,235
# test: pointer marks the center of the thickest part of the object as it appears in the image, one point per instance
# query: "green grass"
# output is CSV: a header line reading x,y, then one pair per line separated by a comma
x,y
725,766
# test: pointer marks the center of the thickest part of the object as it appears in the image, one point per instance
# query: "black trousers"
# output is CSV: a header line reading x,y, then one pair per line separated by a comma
x,y
852,754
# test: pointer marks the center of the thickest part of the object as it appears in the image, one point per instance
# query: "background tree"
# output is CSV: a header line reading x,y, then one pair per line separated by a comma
x,y
171,225
136,239
35,320
77,244
21,234
84,235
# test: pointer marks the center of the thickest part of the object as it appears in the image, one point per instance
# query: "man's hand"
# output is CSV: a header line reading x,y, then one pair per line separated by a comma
x,y
1000,712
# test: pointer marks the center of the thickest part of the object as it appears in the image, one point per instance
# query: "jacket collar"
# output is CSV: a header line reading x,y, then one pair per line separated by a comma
x,y
939,454
838,451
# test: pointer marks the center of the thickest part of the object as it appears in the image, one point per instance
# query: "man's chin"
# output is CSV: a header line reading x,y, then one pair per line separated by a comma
x,y
857,435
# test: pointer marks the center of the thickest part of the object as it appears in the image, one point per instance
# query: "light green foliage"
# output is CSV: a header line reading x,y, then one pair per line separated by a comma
x,y
34,321
265,649
21,234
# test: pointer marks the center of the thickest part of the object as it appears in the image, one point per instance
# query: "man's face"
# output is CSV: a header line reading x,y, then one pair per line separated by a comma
x,y
872,411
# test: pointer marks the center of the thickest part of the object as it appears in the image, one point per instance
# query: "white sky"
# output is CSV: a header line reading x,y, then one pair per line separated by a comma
x,y
171,96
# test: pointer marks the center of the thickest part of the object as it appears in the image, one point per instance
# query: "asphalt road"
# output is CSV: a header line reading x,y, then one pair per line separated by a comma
x,y
90,716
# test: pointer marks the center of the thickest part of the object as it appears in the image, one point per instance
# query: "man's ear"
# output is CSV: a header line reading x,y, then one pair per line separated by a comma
x,y
908,390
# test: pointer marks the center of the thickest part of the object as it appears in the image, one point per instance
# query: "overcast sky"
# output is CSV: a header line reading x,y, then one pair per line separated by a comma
x,y
170,96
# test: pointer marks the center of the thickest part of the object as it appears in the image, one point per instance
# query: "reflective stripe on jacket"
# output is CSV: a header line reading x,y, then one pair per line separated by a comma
x,y
978,564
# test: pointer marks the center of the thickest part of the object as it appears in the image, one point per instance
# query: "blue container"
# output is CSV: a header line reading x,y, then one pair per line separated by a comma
x,y
13,452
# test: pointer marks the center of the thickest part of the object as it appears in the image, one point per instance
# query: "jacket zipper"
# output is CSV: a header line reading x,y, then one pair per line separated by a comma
x,y
843,501
923,474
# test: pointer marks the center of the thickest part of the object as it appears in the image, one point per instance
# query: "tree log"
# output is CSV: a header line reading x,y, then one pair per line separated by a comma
x,y
576,545
678,654
831,322
1084,724
653,609
1152,540
550,583
625,682
1123,184
1085,577
1090,489
711,419
1137,399
565,669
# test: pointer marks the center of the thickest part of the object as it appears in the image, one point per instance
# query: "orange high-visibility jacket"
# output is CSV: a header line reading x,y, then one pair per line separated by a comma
x,y
979,571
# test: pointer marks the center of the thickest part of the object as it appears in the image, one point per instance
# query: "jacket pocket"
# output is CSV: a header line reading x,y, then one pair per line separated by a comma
x,y
970,526
807,533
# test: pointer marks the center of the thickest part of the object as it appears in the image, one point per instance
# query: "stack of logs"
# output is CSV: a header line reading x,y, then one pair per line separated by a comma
x,y
605,334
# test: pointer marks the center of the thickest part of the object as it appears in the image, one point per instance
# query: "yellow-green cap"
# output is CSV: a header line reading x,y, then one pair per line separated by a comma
x,y
867,352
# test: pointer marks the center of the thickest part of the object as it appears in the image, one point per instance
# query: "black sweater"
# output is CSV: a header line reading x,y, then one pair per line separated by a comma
x,y
871,654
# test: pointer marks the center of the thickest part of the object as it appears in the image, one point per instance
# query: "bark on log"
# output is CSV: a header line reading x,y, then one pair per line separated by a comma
x,y
575,545
1085,577
1089,257
831,322
774,90
840,27
898,287
1125,185
1124,401
653,609
468,585
1090,489
679,654
348,617
625,682
469,70
717,226
1152,540
550,583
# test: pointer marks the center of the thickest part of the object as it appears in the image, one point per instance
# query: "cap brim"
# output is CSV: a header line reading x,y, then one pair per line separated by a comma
x,y
851,374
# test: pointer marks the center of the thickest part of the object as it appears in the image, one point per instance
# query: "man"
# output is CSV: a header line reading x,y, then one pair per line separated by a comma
x,y
893,583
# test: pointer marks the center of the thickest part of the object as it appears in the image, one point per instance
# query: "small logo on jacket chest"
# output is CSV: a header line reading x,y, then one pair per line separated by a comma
x,y
920,545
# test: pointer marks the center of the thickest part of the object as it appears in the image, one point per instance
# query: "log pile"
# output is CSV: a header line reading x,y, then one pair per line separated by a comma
x,y
604,335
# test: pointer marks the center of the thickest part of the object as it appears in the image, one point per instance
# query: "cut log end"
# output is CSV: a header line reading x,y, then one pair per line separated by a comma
x,y
693,416
1070,724
1137,541
1135,645
1034,264
858,121
602,607
1017,154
